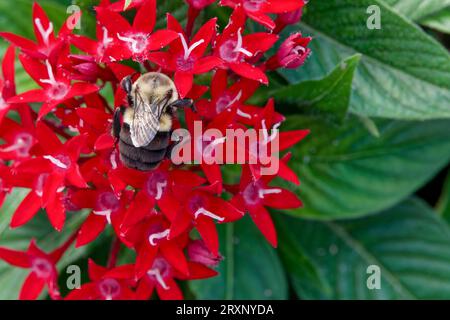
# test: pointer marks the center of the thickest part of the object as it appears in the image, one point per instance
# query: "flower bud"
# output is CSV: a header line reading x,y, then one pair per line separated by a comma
x,y
289,18
293,52
198,252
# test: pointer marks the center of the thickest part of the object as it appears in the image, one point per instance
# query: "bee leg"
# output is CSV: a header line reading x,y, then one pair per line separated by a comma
x,y
116,125
183,103
126,85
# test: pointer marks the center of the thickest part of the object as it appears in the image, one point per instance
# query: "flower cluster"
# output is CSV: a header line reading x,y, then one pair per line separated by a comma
x,y
57,141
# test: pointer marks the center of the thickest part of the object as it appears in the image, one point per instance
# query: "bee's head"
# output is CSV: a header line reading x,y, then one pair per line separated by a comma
x,y
155,86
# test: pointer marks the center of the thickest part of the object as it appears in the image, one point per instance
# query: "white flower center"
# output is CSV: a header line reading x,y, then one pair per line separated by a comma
x,y
207,213
188,50
157,274
56,162
137,42
158,236
231,50
105,213
58,90
21,145
45,33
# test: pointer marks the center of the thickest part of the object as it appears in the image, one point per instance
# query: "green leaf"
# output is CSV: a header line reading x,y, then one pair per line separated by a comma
x,y
12,278
251,269
296,262
345,172
443,205
439,21
328,97
418,9
403,73
409,244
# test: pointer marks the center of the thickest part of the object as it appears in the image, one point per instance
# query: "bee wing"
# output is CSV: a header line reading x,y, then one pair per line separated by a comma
x,y
145,122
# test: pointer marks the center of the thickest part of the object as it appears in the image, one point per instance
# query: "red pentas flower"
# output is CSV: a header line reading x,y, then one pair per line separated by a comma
x,y
134,41
292,53
162,276
56,141
55,83
236,50
224,97
184,57
106,284
42,266
48,46
259,10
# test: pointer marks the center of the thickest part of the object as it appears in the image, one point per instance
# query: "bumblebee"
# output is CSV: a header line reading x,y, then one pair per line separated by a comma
x,y
143,131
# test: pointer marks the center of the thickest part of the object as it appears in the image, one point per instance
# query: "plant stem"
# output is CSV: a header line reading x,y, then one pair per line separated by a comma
x,y
114,252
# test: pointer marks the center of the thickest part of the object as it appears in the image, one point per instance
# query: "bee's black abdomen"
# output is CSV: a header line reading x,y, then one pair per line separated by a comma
x,y
144,158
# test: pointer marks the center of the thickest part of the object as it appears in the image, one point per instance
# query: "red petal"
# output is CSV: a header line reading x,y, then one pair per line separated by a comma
x,y
15,258
263,221
75,177
207,229
8,71
250,72
47,138
290,138
172,293
199,271
90,229
56,212
224,209
283,200
139,208
103,142
169,205
145,18
113,21
145,289
95,271
262,19
173,24
219,83
81,89
46,108
52,183
287,173
207,64
35,95
205,33
186,178
74,146
145,257
183,81
175,256
39,13
34,68
125,272
27,209
182,222
284,6
163,59
213,174
32,287
87,291
20,42
161,38
259,42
